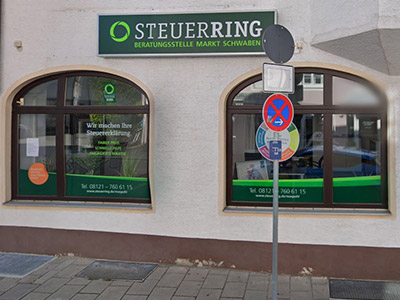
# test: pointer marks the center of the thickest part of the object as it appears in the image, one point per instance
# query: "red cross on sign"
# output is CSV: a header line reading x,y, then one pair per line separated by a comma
x,y
277,112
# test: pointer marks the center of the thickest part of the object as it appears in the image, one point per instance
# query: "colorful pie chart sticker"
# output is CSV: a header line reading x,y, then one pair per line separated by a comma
x,y
290,140
38,174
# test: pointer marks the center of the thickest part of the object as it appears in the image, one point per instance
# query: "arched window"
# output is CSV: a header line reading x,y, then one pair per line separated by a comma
x,y
341,160
81,136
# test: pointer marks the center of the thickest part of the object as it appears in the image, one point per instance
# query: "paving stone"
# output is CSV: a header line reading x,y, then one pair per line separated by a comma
x,y
218,272
36,296
238,276
171,279
95,287
319,280
234,290
84,297
209,294
44,269
214,281
300,295
66,292
283,291
143,288
161,293
70,271
189,288
52,263
183,298
258,275
45,277
127,283
79,281
157,273
320,291
7,283
59,259
196,274
298,283
18,291
51,285
29,278
255,295
134,297
113,293
283,279
64,264
83,261
260,283
177,269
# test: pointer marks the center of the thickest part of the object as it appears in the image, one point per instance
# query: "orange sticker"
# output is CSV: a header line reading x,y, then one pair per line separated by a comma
x,y
37,174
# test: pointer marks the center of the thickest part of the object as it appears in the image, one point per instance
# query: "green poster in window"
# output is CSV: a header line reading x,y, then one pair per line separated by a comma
x,y
109,93
107,156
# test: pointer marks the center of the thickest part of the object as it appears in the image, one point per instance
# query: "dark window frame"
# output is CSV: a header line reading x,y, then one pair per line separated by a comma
x,y
327,109
61,110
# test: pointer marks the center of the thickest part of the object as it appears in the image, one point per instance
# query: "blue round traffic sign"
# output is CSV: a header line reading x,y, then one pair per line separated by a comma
x,y
289,137
277,112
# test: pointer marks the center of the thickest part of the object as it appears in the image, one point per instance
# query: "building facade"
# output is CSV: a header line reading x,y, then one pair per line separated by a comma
x,y
129,133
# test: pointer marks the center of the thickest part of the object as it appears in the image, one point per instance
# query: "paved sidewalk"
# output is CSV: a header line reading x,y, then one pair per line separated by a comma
x,y
57,281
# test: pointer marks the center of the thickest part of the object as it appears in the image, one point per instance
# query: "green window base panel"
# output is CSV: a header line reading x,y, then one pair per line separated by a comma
x,y
345,190
87,186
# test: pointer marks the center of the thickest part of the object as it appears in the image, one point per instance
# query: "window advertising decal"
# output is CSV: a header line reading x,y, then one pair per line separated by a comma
x,y
106,155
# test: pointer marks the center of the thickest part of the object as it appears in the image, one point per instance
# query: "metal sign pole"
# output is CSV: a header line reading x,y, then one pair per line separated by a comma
x,y
278,44
275,226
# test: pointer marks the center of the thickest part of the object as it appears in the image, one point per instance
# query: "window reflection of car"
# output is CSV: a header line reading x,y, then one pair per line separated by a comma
x,y
347,162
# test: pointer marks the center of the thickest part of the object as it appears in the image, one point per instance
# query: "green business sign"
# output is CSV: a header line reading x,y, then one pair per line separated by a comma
x,y
184,34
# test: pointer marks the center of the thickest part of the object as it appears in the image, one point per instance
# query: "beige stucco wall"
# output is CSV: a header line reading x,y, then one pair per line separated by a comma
x,y
188,124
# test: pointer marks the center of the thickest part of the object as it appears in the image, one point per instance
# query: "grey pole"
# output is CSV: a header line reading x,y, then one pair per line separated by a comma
x,y
275,226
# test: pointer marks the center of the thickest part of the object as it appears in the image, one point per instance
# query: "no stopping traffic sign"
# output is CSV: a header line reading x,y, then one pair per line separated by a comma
x,y
277,112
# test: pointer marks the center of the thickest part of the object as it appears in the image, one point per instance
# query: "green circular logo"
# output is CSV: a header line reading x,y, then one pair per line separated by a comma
x,y
109,89
127,34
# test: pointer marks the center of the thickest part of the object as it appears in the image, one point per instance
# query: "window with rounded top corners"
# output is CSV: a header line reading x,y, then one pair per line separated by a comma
x,y
81,136
338,143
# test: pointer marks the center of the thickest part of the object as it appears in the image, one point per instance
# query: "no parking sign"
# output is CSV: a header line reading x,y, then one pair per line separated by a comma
x,y
277,112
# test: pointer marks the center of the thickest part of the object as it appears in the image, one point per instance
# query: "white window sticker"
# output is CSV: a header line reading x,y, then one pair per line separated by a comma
x,y
32,147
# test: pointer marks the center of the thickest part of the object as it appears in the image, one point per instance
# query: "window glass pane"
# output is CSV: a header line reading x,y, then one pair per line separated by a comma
x,y
37,154
318,78
306,163
106,155
41,95
356,158
91,90
352,93
251,95
301,177
244,127
309,89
